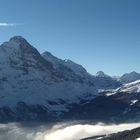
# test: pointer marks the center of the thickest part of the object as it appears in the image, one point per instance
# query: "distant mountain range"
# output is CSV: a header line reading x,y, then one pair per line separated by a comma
x,y
125,78
42,87
130,77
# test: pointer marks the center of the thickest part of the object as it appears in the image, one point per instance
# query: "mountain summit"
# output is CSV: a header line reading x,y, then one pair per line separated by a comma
x,y
18,39
18,42
101,74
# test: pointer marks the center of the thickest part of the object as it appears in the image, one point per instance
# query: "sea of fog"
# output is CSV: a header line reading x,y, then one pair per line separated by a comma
x,y
63,131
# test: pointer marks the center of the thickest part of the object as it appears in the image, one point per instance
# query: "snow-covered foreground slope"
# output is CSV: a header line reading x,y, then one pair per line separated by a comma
x,y
118,132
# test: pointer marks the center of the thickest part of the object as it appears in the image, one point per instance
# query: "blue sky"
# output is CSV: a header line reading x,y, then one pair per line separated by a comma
x,y
99,34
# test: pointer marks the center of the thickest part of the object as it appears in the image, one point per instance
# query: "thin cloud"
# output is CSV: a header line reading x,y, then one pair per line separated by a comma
x,y
5,24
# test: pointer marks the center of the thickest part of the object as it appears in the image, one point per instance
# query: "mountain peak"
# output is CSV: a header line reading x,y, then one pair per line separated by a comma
x,y
17,42
19,46
134,72
20,43
18,39
101,74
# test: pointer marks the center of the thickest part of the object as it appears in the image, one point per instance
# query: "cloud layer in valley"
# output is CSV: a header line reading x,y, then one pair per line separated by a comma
x,y
14,131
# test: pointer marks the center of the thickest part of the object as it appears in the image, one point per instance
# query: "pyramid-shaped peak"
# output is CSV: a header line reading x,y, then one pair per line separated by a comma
x,y
16,42
18,39
134,72
20,44
46,53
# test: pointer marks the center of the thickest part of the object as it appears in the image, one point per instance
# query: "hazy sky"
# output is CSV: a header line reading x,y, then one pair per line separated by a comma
x,y
99,34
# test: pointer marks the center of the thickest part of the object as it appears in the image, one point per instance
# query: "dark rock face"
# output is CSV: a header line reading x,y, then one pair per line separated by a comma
x,y
104,109
24,112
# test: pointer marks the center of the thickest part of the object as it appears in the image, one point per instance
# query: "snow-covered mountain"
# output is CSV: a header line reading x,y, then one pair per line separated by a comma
x,y
43,87
38,84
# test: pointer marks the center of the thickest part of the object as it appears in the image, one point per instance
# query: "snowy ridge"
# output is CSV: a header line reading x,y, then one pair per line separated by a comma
x,y
77,68
67,66
70,68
